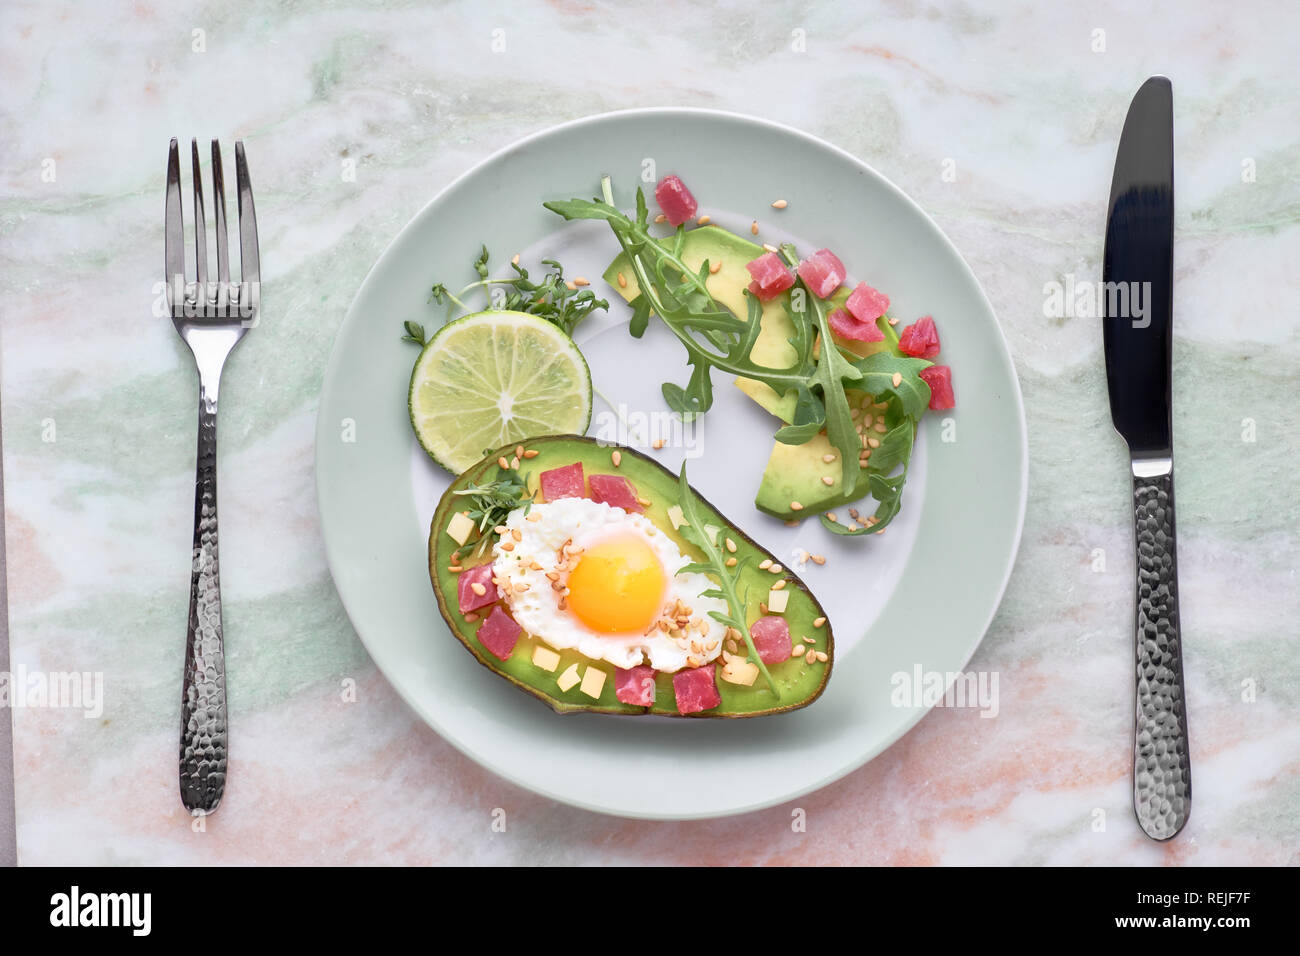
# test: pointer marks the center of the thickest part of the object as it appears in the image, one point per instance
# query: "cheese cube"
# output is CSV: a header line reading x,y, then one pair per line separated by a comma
x,y
676,517
593,682
738,670
459,527
545,658
777,601
569,677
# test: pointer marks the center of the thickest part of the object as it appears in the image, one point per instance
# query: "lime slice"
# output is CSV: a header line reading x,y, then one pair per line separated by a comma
x,y
493,378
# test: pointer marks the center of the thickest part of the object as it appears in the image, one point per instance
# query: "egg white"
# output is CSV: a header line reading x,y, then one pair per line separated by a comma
x,y
535,606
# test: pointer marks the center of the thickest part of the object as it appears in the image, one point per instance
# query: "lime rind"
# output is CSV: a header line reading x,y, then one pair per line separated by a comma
x,y
494,378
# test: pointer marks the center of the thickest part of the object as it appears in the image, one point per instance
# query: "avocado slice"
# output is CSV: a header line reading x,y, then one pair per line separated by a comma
x,y
800,680
727,287
794,473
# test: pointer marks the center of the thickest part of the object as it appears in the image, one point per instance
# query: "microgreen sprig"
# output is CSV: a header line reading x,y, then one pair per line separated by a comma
x,y
492,501
550,297
715,566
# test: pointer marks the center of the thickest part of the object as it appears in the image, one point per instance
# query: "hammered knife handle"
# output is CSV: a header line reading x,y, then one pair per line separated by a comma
x,y
203,697
1162,773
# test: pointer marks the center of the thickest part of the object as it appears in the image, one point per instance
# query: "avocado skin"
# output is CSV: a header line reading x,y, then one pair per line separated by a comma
x,y
793,472
801,685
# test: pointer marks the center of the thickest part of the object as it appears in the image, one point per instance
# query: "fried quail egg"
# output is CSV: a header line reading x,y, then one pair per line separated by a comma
x,y
581,574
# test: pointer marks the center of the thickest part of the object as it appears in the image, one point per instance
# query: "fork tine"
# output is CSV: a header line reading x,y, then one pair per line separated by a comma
x,y
174,231
219,211
200,224
249,268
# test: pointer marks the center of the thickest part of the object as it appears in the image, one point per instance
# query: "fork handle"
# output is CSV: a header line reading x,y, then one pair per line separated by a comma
x,y
1162,773
203,698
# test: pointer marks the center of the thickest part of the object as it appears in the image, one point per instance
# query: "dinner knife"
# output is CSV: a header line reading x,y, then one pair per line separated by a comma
x,y
1137,301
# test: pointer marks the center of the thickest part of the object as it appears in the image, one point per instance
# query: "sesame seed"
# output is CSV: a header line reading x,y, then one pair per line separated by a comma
x,y
779,585
507,546
531,453
705,220
830,516
819,622
514,462
505,465
765,564
715,267
855,513
827,480
571,286
776,569
731,546
873,442
853,526
795,506
818,559
769,247
644,502
478,588
519,451
897,379
622,281
821,657
780,204
455,568
731,562
661,218
762,607
893,321
753,228
616,457
797,650
534,517
828,458
658,443
581,281
516,534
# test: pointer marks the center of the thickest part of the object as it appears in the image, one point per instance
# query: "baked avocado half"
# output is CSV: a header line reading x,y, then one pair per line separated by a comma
x,y
571,682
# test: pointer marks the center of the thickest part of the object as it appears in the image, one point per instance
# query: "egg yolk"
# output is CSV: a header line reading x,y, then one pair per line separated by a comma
x,y
617,586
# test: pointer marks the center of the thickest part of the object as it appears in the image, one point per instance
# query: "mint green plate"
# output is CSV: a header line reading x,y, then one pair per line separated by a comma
x,y
919,596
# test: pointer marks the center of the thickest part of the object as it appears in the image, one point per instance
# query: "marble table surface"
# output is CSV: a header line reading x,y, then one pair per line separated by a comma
x,y
1000,119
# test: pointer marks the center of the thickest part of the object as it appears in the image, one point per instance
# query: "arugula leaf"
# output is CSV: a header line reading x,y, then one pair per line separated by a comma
x,y
715,566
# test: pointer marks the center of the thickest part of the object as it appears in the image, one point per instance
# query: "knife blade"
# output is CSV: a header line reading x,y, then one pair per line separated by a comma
x,y
1137,313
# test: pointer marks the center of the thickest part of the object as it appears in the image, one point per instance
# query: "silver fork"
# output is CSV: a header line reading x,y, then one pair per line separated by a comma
x,y
211,316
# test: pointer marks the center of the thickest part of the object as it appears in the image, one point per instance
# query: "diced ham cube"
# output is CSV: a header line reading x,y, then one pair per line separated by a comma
x,y
866,304
771,276
566,482
920,339
499,633
695,690
467,597
847,327
771,636
822,272
635,686
939,378
615,491
763,296
675,200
